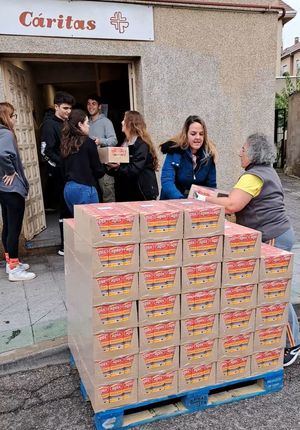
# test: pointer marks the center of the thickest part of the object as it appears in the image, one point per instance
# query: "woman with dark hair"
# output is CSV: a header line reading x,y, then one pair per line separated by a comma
x,y
81,164
257,200
13,190
190,160
136,180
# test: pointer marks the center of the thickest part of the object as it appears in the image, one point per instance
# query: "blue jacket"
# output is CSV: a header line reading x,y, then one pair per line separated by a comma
x,y
178,174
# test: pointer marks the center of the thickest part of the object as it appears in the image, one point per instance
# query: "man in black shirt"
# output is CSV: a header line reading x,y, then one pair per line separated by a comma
x,y
50,150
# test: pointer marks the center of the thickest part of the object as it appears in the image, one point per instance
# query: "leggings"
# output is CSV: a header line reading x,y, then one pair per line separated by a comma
x,y
12,207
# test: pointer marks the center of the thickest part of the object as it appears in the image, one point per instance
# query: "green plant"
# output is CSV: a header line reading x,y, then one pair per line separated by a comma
x,y
282,99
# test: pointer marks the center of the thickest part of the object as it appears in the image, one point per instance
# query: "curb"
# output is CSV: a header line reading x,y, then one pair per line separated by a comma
x,y
42,354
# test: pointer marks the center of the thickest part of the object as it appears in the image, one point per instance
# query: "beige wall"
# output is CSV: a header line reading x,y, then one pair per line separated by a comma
x,y
220,65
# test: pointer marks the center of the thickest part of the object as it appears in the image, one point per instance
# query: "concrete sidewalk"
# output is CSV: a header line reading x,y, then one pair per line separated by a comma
x,y
35,311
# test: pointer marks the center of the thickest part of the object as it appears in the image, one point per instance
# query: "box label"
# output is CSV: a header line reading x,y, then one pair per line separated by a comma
x,y
114,313
162,222
204,246
116,340
111,286
158,383
117,367
201,273
116,256
116,392
200,325
161,251
240,269
197,374
157,280
234,366
159,306
200,300
158,333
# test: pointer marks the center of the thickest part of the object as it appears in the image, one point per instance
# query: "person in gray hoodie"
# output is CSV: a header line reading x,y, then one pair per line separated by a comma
x,y
14,188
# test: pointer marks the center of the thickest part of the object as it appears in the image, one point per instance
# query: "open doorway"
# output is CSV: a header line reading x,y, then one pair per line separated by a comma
x,y
79,78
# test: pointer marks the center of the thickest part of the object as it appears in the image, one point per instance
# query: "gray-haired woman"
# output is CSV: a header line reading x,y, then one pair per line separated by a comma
x,y
257,200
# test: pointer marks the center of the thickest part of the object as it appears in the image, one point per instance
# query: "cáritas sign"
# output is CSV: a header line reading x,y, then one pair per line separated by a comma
x,y
78,19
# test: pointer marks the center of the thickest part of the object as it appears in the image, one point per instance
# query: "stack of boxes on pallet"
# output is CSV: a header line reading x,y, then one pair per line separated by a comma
x,y
166,297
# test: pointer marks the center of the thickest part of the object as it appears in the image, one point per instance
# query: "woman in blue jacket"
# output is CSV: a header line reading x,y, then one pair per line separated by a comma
x,y
190,160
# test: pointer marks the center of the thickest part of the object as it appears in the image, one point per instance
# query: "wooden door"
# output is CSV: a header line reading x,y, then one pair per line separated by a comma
x,y
17,91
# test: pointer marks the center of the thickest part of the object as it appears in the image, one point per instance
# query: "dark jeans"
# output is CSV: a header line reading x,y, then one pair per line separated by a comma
x,y
12,207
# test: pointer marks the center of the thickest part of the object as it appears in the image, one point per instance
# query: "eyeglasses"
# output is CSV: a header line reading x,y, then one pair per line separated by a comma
x,y
14,115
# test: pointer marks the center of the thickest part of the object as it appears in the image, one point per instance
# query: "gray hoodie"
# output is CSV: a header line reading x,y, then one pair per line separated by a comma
x,y
10,162
103,128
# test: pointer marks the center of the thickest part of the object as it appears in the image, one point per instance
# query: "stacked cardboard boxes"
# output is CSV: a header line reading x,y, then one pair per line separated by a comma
x,y
165,297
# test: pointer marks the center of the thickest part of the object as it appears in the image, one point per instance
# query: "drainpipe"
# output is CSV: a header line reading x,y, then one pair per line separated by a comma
x,y
221,5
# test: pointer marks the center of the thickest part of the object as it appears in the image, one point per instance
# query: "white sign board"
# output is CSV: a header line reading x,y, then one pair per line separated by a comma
x,y
80,19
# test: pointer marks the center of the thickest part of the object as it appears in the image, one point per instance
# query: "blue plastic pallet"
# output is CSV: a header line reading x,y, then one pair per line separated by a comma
x,y
189,401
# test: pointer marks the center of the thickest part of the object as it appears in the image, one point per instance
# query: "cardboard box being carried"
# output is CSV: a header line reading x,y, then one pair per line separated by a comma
x,y
197,376
202,250
275,263
240,242
201,277
199,328
164,359
275,291
159,335
157,385
199,352
106,224
113,154
158,220
200,218
240,345
206,191
267,361
229,369
153,283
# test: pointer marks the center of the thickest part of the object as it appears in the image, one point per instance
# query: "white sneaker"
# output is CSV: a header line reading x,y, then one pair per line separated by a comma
x,y
24,266
17,274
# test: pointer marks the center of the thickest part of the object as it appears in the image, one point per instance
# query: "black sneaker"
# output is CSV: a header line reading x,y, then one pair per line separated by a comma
x,y
290,355
61,252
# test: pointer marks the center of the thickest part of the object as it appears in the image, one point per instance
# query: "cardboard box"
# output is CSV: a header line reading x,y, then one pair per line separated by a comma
x,y
159,309
229,369
159,335
110,344
165,360
157,385
199,352
113,154
153,283
201,276
107,260
157,255
115,316
238,297
267,361
240,242
199,328
200,218
158,220
240,272
203,302
113,369
237,322
206,191
275,263
202,250
69,228
269,338
271,315
240,345
278,290
197,376
106,396
106,224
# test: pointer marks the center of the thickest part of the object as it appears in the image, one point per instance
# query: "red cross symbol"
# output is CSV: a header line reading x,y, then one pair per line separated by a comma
x,y
119,22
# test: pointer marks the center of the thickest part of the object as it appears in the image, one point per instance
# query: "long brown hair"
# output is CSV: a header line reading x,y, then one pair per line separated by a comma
x,y
71,136
136,125
181,140
6,111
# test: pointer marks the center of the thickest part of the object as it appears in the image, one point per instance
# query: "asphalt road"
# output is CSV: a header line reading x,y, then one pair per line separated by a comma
x,y
48,398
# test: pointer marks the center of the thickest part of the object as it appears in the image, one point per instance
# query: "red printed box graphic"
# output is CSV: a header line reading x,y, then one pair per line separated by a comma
x,y
161,251
115,285
201,275
116,392
158,383
117,367
162,222
197,373
275,290
236,346
159,335
270,338
241,268
198,351
160,279
236,322
275,314
115,256
202,327
267,360
241,296
164,308
115,226
203,302
116,340
234,366
200,247
123,313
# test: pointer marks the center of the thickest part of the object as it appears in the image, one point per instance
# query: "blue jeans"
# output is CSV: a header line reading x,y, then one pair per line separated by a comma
x,y
286,241
79,194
